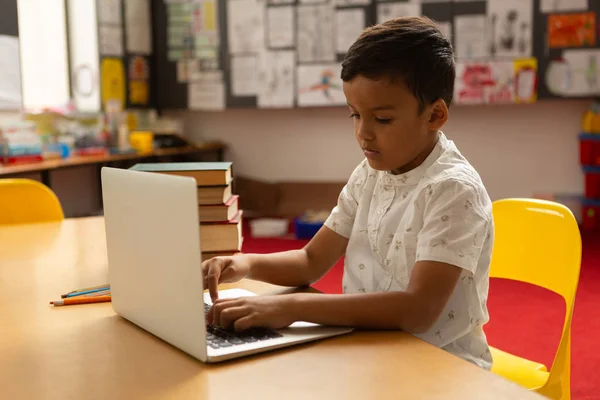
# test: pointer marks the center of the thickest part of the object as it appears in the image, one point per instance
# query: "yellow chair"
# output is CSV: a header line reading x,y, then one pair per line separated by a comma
x,y
538,242
25,201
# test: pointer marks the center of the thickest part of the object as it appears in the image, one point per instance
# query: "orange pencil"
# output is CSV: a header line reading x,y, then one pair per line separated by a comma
x,y
81,300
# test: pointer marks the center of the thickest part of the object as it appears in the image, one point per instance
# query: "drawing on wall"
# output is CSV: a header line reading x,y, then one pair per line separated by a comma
x,y
275,79
571,30
243,75
445,28
315,33
575,74
245,26
526,80
511,27
484,82
349,24
469,36
320,85
352,3
563,5
387,11
280,27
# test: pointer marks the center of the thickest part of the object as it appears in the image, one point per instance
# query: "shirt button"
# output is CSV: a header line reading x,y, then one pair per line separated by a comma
x,y
387,187
387,180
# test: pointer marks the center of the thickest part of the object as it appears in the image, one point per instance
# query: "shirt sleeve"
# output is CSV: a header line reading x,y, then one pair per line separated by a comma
x,y
341,219
456,222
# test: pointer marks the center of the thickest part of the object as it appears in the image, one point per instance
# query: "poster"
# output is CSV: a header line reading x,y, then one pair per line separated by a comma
x,y
387,11
111,41
139,93
245,26
575,74
469,36
315,33
280,27
243,75
342,3
572,30
275,79
547,6
113,81
320,85
510,27
206,95
138,68
526,81
349,24
109,12
487,82
138,26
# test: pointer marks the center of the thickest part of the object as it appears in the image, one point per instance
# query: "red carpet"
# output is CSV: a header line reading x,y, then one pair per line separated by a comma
x,y
525,320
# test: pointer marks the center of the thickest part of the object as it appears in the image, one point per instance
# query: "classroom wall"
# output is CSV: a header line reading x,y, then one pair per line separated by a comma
x,y
517,149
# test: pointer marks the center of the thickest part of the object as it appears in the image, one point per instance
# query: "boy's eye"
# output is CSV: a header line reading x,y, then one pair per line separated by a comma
x,y
383,120
354,116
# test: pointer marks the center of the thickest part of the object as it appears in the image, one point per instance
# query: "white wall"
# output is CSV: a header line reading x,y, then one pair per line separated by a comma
x,y
517,149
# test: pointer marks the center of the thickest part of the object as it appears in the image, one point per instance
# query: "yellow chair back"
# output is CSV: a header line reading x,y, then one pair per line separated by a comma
x,y
539,242
25,201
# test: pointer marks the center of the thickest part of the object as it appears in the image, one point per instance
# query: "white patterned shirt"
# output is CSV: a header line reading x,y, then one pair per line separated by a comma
x,y
439,211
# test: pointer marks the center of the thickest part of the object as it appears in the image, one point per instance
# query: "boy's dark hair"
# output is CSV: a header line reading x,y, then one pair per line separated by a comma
x,y
411,49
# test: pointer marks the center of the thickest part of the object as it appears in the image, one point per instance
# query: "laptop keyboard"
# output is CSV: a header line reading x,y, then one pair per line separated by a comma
x,y
221,338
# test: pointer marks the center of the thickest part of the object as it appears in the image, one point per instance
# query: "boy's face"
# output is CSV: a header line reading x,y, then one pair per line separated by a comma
x,y
388,126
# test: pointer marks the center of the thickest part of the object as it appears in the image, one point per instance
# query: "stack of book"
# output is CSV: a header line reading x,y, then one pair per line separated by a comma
x,y
19,143
218,208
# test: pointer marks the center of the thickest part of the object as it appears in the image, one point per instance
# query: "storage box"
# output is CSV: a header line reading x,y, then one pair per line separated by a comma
x,y
592,182
590,214
589,149
306,230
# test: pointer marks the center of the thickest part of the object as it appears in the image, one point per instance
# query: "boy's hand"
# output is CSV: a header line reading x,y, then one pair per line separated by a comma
x,y
221,270
272,312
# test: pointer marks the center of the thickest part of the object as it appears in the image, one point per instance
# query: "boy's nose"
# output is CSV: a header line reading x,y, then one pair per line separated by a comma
x,y
364,132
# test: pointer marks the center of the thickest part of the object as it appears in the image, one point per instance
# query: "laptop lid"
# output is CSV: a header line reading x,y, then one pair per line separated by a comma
x,y
154,256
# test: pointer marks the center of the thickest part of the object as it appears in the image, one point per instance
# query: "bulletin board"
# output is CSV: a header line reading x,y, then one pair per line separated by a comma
x,y
10,72
217,54
125,48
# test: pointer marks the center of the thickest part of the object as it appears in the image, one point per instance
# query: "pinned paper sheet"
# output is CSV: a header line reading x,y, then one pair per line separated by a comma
x,y
526,80
484,82
182,71
109,12
113,81
243,75
547,6
315,33
245,26
111,41
275,79
387,11
206,95
320,85
469,36
576,74
139,35
511,27
139,92
280,27
10,73
349,24
352,2
572,30
445,28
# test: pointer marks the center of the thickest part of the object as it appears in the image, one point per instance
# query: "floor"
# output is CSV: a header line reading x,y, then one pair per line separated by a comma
x,y
525,320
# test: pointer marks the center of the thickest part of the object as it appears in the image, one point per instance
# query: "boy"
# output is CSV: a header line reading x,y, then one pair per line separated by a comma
x,y
414,219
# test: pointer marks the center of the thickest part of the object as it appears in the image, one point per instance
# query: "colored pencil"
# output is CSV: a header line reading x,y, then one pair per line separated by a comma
x,y
104,287
81,300
95,294
85,292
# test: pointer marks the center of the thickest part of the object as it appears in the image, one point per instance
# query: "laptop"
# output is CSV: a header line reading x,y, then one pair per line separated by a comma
x,y
154,269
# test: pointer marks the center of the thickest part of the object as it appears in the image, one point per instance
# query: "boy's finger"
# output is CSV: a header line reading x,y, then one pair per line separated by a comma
x,y
214,272
231,314
244,323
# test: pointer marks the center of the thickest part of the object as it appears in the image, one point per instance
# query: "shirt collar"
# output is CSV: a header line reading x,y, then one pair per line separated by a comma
x,y
413,176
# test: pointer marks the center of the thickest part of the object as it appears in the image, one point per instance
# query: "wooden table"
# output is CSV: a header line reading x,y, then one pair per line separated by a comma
x,y
88,352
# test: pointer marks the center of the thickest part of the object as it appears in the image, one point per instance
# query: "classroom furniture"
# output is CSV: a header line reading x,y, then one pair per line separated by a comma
x,y
538,242
24,201
89,352
76,180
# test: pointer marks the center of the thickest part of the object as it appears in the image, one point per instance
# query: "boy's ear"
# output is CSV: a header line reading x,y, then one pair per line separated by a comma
x,y
438,114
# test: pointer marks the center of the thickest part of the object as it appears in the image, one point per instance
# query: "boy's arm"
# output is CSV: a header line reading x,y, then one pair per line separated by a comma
x,y
299,267
414,311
